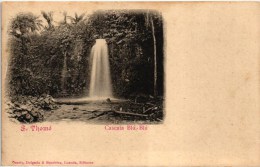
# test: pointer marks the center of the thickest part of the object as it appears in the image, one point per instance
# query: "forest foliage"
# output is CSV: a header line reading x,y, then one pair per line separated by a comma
x,y
40,49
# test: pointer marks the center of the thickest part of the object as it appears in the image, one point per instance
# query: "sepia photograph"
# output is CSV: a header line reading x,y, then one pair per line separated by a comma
x,y
105,66
130,84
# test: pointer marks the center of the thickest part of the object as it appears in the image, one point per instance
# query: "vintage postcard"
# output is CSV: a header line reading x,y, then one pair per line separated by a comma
x,y
130,84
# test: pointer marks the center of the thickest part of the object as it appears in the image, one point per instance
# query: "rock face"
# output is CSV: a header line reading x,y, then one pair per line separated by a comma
x,y
28,109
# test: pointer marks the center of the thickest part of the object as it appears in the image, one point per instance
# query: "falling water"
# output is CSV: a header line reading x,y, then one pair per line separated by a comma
x,y
100,81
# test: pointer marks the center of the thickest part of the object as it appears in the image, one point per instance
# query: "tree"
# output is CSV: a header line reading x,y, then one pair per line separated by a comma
x,y
150,21
49,18
155,58
24,23
64,22
21,26
76,19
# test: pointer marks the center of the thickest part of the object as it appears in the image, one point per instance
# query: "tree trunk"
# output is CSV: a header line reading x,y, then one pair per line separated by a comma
x,y
155,59
24,52
64,74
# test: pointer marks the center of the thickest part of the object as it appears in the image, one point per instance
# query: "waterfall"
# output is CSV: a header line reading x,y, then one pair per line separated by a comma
x,y
100,81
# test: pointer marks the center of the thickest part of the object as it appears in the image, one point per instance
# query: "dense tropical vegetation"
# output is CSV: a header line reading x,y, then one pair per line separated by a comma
x,y
52,58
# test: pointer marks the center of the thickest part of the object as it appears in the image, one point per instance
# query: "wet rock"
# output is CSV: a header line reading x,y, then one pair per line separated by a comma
x,y
24,112
28,109
108,100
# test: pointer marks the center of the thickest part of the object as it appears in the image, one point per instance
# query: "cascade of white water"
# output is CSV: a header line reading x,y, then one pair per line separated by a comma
x,y
100,81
